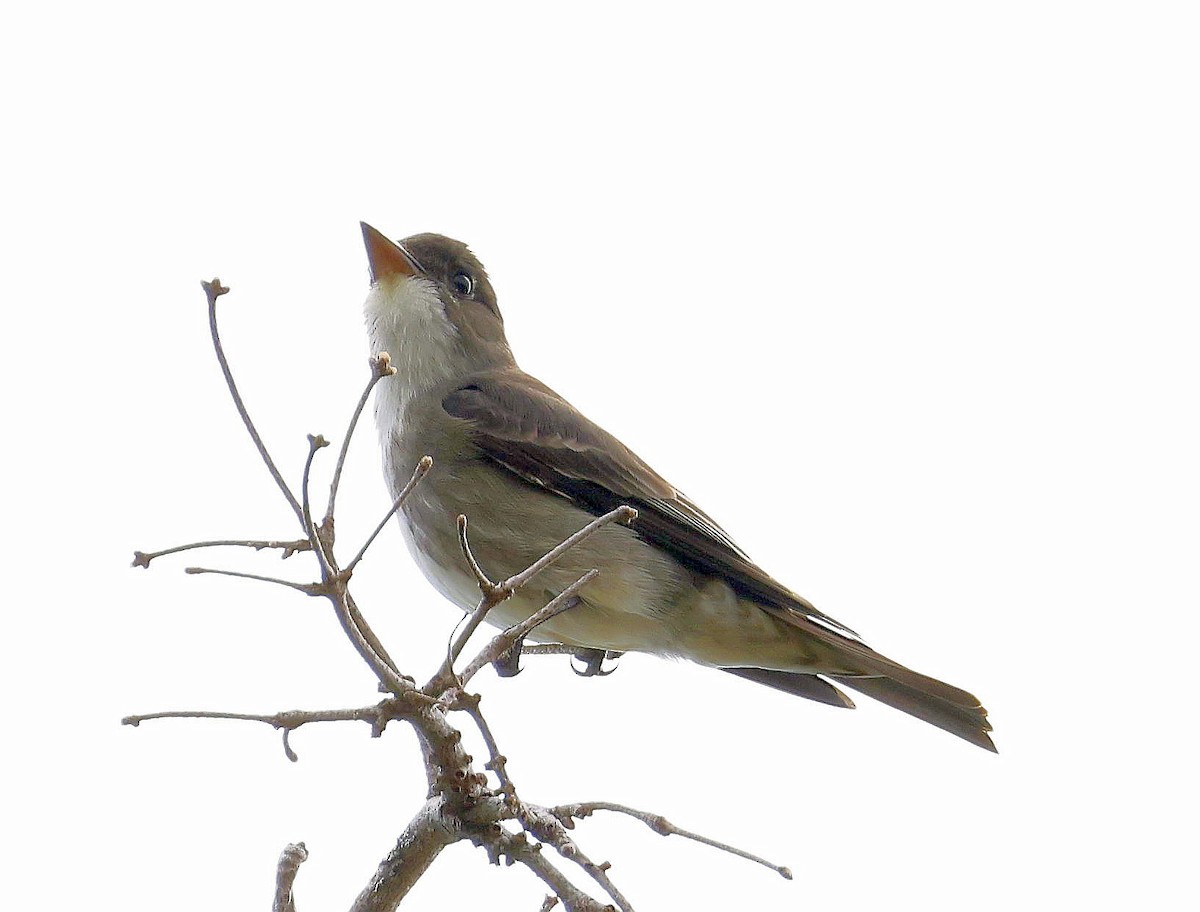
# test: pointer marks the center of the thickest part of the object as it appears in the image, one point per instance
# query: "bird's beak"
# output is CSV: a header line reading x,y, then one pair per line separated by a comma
x,y
386,258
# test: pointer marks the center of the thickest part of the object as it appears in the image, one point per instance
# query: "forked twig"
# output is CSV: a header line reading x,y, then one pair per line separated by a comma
x,y
495,593
497,762
505,640
518,848
376,716
542,823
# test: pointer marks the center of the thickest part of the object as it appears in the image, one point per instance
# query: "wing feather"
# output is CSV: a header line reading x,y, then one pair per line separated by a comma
x,y
529,429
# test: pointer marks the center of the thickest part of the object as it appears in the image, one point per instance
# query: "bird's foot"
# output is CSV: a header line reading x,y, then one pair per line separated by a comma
x,y
508,664
593,662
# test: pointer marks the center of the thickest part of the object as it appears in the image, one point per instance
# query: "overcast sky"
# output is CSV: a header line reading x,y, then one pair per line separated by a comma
x,y
905,295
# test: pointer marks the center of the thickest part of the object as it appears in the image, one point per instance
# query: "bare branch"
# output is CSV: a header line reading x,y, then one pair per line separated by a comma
x,y
306,588
315,443
421,842
495,593
497,763
143,558
485,584
492,596
543,824
621,514
356,618
461,804
548,649
293,856
381,366
214,290
422,469
376,716
365,641
518,848
486,604
593,659
662,826
504,641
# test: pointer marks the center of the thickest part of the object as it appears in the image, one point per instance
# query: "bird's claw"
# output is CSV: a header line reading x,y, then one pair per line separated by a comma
x,y
593,662
508,664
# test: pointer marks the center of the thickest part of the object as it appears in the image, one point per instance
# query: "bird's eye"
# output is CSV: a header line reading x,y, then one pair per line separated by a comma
x,y
463,283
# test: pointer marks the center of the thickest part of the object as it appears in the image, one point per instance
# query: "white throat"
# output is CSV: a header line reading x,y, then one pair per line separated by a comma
x,y
406,318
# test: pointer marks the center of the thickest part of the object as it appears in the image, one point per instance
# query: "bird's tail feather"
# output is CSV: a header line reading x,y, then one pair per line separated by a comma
x,y
808,686
928,699
962,716
854,664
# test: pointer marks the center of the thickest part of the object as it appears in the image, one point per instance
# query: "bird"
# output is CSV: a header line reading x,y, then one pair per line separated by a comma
x,y
528,470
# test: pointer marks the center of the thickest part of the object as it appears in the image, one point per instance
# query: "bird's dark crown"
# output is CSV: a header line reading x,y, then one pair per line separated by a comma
x,y
441,259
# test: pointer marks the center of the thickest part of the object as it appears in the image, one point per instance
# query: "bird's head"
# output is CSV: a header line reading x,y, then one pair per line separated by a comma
x,y
432,308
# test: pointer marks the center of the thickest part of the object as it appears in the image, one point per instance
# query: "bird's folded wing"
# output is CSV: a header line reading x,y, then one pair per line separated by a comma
x,y
533,432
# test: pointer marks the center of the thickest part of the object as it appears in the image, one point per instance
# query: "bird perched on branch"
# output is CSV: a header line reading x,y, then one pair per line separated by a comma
x,y
529,470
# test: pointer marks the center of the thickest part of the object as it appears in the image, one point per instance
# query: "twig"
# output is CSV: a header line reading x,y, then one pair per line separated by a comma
x,y
364,640
306,588
485,584
143,558
293,856
360,624
543,824
492,596
214,290
497,762
662,826
369,646
495,593
422,469
586,655
377,716
461,804
381,366
504,641
454,646
548,649
518,848
315,443
353,623
622,514
548,903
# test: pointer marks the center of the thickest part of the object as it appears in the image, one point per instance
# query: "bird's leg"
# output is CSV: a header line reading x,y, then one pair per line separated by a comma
x,y
593,662
509,664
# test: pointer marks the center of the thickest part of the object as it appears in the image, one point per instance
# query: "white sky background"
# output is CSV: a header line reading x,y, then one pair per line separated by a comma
x,y
904,294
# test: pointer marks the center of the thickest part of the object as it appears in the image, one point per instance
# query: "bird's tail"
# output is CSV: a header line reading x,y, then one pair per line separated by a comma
x,y
834,653
928,699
